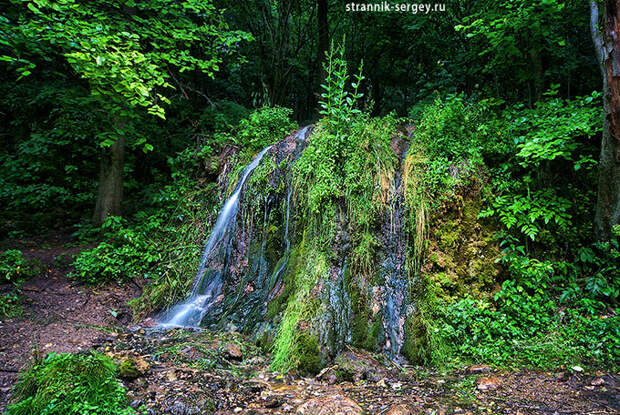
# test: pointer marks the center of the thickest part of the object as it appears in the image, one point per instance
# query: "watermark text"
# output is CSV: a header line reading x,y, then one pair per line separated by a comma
x,y
414,8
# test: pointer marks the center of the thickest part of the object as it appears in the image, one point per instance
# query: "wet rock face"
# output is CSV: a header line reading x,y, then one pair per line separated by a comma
x,y
347,271
252,264
462,252
330,405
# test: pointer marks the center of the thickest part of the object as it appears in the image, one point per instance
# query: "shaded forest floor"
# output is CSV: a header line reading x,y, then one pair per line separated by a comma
x,y
184,372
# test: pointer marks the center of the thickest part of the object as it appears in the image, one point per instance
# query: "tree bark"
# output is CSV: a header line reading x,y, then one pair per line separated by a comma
x,y
110,182
323,31
606,39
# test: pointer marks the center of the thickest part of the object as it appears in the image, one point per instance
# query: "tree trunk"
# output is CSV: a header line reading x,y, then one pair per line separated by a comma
x,y
323,30
607,46
110,182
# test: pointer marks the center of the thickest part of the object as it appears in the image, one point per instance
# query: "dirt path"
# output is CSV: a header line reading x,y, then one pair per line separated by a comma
x,y
184,372
59,315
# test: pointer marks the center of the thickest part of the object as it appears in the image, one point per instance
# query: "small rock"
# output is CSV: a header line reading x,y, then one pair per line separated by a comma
x,y
331,379
330,405
488,383
136,403
133,367
598,382
478,369
272,402
233,351
397,386
578,369
237,410
400,409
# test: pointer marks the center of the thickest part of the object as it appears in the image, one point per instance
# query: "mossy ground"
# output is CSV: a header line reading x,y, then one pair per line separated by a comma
x,y
70,384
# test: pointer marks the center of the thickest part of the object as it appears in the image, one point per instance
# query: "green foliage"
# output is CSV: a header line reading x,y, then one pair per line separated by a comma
x,y
453,128
128,255
264,126
528,32
546,313
531,202
70,384
125,57
9,306
319,171
556,129
532,213
223,116
338,104
14,267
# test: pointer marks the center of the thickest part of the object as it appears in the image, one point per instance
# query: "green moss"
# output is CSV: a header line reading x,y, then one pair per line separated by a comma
x,y
127,369
308,355
424,343
70,384
309,266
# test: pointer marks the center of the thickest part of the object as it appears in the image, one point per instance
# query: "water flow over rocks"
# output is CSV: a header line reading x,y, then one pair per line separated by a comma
x,y
394,267
207,285
240,264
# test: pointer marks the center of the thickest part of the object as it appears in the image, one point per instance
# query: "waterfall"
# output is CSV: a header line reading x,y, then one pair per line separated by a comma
x,y
206,290
396,278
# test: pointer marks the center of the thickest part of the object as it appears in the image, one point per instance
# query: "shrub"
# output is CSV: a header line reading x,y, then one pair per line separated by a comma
x,y
70,384
263,127
453,128
129,254
14,267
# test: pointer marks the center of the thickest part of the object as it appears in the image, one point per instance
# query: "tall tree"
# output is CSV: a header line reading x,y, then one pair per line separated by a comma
x,y
323,30
606,38
128,52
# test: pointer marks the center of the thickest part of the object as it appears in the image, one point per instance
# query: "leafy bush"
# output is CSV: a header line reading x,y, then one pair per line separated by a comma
x,y
9,305
223,115
264,126
14,267
128,255
70,384
547,313
453,128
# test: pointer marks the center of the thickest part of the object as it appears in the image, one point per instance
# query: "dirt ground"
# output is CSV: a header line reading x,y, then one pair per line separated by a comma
x,y
59,315
185,372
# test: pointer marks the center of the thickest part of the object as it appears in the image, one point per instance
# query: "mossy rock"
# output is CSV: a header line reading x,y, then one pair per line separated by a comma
x,y
133,367
415,347
308,354
128,370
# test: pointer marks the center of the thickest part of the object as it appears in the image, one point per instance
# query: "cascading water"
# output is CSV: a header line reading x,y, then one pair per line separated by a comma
x,y
205,289
396,278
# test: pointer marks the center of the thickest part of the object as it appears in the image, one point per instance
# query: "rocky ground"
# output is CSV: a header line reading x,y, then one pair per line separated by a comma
x,y
186,372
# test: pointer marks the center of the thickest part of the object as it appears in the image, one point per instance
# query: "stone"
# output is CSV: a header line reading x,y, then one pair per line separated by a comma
x,y
577,369
476,369
133,367
272,402
400,409
330,405
233,351
488,383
